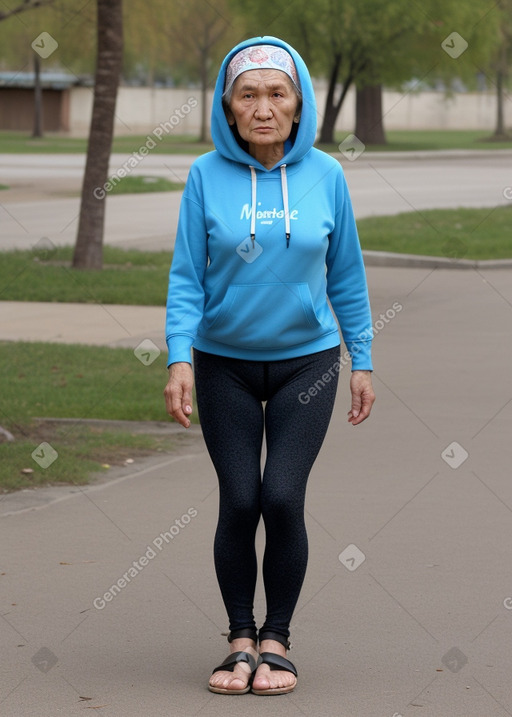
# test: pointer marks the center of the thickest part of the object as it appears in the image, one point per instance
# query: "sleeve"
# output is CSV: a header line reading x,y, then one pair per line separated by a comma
x,y
185,297
346,281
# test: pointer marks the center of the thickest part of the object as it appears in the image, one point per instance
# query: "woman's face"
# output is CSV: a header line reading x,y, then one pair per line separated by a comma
x,y
263,106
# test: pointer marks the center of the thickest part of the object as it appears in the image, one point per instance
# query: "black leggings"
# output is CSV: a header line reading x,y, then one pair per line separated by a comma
x,y
299,395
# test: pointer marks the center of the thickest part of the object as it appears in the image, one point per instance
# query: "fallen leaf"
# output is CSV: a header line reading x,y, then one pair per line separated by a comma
x,y
27,471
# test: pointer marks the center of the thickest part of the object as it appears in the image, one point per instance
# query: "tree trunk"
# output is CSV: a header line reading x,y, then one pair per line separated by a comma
x,y
500,132
332,108
369,124
38,98
330,116
88,252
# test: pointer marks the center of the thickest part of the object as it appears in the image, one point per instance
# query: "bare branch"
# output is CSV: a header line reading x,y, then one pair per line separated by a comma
x,y
23,6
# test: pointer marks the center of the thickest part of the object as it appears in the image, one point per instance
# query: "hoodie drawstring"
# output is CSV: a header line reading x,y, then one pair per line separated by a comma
x,y
253,205
284,189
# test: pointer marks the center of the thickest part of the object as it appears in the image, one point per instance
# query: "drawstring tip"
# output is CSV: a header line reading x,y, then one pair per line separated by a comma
x,y
287,240
253,237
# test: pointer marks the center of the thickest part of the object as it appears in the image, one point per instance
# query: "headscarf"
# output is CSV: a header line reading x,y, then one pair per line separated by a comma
x,y
261,57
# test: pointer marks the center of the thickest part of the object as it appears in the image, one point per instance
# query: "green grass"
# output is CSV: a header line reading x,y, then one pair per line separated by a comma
x,y
22,143
454,233
128,277
69,381
3,186
402,140
82,451
140,185
418,140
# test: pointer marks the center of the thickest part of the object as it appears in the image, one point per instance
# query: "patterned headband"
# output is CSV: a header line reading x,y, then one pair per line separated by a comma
x,y
261,57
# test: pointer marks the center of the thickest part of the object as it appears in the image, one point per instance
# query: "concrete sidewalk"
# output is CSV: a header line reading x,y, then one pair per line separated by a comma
x,y
406,607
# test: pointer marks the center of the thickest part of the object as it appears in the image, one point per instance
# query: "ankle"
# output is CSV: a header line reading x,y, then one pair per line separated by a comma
x,y
244,644
272,646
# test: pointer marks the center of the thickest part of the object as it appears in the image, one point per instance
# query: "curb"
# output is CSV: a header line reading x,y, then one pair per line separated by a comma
x,y
418,261
148,427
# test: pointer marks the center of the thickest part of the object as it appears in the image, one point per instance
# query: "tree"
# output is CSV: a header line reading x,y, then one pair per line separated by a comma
x,y
189,38
88,252
38,94
368,43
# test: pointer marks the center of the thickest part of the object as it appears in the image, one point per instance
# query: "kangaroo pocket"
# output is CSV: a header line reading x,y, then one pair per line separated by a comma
x,y
273,315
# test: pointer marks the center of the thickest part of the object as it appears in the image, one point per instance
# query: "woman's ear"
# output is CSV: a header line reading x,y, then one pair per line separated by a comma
x,y
229,116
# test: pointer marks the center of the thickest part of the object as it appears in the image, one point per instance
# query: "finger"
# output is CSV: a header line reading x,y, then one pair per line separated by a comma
x,y
177,409
366,407
173,396
186,401
356,404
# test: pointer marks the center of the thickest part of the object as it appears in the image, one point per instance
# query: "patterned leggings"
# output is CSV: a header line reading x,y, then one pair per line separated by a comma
x,y
299,395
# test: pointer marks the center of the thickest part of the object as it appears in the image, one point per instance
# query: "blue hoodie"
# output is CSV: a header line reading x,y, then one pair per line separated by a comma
x,y
258,251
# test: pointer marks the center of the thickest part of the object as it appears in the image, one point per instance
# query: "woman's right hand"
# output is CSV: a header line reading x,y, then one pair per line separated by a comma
x,y
178,392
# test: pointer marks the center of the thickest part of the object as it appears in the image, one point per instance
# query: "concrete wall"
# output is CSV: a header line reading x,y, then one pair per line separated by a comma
x,y
141,110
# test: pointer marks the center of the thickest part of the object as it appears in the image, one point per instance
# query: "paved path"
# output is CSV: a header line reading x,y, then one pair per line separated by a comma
x,y
379,184
415,617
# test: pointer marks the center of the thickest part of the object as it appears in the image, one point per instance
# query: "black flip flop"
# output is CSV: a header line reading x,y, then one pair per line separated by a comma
x,y
229,666
277,662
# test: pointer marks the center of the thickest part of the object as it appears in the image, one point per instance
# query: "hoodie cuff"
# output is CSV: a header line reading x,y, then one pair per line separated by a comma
x,y
179,349
361,353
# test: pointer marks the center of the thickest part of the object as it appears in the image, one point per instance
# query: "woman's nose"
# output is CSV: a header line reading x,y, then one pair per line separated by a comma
x,y
263,110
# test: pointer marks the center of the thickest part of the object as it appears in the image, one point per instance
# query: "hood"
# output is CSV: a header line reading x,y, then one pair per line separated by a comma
x,y
222,135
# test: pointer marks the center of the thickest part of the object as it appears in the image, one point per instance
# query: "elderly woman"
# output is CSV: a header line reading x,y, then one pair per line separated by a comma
x,y
266,234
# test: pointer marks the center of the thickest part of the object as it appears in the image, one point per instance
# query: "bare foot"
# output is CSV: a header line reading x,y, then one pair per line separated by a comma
x,y
267,679
239,678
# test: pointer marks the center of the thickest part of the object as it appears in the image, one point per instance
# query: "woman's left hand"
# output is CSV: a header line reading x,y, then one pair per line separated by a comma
x,y
363,396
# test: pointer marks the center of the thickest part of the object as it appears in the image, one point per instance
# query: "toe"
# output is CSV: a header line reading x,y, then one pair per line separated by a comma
x,y
266,679
228,680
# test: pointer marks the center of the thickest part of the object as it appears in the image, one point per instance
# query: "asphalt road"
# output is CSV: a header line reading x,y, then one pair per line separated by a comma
x,y
380,184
